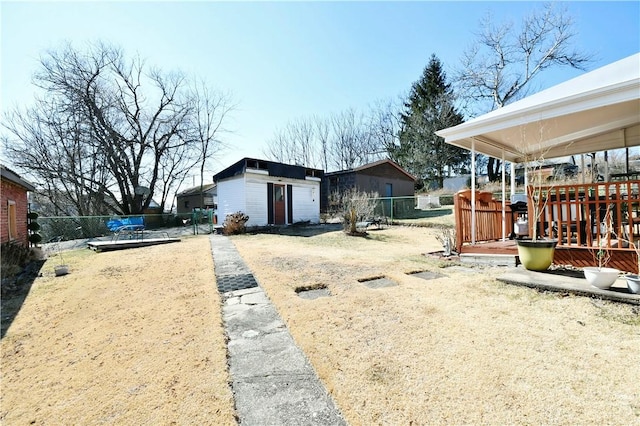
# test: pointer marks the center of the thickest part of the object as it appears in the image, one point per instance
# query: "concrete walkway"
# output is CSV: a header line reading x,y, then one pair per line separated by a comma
x,y
273,382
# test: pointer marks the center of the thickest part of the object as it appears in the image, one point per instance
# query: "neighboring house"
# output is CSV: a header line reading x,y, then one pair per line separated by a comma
x,y
269,193
458,183
549,171
383,177
191,198
15,206
154,208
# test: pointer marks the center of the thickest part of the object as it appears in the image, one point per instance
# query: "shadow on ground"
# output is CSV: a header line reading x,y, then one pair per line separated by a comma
x,y
15,291
301,230
424,214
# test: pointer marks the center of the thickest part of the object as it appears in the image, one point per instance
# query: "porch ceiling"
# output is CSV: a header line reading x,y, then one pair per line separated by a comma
x,y
597,111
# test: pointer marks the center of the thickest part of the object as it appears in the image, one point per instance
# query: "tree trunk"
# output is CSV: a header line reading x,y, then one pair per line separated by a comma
x,y
493,169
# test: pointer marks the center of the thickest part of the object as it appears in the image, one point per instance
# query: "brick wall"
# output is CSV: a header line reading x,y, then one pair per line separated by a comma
x,y
10,191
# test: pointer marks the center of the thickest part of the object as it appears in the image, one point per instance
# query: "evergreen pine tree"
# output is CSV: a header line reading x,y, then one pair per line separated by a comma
x,y
429,108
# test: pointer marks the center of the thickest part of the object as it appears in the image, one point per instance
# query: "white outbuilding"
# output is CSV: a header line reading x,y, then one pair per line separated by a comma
x,y
269,193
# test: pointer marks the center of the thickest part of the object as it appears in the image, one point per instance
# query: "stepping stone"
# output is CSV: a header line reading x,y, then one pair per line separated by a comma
x,y
379,283
426,275
314,294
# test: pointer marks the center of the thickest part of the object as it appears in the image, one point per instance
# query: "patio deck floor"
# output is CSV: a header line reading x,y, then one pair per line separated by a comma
x,y
568,282
491,247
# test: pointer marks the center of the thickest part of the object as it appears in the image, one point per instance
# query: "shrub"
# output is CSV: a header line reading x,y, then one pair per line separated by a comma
x,y
13,257
35,238
235,223
446,200
355,206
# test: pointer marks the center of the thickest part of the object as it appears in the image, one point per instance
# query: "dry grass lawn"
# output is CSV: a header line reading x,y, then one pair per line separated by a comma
x,y
130,337
461,349
135,337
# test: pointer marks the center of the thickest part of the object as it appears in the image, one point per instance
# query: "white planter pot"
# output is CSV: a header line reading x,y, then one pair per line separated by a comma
x,y
61,270
601,278
633,283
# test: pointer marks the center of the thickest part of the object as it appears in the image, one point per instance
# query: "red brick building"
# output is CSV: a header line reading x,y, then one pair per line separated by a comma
x,y
14,207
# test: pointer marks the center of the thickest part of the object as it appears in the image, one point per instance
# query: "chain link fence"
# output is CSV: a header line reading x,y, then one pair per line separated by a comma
x,y
63,228
398,208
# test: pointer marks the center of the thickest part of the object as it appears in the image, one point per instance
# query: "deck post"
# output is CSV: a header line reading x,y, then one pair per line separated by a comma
x,y
473,191
513,178
504,205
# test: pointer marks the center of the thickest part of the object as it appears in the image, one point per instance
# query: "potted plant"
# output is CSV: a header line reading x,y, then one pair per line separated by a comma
x,y
536,254
602,276
633,280
61,268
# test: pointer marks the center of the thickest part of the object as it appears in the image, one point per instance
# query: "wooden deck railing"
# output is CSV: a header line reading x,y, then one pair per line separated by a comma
x,y
488,217
573,214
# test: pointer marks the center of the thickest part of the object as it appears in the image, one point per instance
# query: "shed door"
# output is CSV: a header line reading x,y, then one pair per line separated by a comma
x,y
279,206
388,190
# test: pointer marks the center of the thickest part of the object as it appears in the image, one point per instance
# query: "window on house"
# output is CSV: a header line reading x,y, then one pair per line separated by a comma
x,y
186,204
312,172
255,164
13,221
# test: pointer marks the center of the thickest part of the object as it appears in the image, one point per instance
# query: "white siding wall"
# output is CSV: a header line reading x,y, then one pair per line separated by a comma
x,y
306,201
256,189
231,197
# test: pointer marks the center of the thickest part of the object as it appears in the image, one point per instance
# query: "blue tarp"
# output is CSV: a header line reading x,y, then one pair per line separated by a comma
x,y
136,222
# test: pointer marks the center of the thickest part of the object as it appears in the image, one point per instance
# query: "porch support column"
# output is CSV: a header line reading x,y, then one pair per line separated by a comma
x,y
513,178
582,169
626,151
473,191
504,202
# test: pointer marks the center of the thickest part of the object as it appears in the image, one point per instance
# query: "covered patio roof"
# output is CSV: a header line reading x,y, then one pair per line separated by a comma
x,y
597,111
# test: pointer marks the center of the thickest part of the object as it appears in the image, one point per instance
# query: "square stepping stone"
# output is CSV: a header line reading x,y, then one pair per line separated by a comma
x,y
314,294
426,275
379,282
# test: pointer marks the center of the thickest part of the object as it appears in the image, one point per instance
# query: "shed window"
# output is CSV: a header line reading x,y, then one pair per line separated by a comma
x,y
186,204
13,222
256,164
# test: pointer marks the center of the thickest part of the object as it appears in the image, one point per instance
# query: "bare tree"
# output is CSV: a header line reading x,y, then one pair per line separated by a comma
x,y
505,59
351,143
323,132
342,140
109,132
210,111
295,144
385,125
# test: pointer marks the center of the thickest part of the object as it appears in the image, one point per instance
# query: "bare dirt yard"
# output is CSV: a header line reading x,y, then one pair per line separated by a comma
x,y
135,337
130,337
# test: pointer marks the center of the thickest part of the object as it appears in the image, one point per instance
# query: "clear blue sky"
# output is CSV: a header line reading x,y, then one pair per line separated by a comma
x,y
283,60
